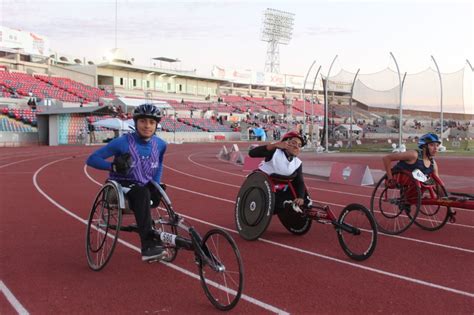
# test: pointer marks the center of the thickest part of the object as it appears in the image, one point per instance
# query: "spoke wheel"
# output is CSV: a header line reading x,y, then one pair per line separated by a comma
x,y
161,220
103,227
223,278
358,243
395,210
433,217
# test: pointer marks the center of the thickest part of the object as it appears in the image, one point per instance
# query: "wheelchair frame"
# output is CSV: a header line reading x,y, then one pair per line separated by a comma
x,y
322,213
107,223
421,195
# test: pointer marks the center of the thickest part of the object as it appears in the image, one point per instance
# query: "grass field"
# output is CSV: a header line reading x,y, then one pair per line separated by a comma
x,y
463,147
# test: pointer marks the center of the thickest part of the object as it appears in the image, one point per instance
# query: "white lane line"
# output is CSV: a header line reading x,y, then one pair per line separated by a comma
x,y
245,297
20,309
308,178
236,186
390,274
38,157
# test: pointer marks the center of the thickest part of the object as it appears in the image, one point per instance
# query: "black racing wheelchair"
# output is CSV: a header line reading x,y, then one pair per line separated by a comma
x,y
216,254
258,201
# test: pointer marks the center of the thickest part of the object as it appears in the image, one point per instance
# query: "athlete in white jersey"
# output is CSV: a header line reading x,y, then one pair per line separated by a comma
x,y
281,159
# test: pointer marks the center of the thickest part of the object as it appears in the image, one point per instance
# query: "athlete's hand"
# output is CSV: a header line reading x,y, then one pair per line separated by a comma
x,y
298,201
283,145
391,183
122,164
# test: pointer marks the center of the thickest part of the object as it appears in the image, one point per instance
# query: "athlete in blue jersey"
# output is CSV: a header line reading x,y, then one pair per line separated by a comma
x,y
422,159
138,159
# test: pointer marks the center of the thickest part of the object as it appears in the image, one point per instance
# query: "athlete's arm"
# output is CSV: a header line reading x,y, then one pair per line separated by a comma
x,y
409,156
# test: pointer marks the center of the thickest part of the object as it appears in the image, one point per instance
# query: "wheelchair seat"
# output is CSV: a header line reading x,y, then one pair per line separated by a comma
x,y
279,177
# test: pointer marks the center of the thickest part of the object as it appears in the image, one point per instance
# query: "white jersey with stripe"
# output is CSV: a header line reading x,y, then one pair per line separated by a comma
x,y
280,165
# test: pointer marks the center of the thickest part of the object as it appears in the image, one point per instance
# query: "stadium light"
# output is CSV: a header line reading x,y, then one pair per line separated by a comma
x,y
277,29
350,108
312,104
440,100
400,137
326,107
472,69
304,97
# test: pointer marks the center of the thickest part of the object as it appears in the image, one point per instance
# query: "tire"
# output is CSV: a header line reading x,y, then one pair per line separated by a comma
x,y
222,287
433,217
294,222
161,221
103,227
359,244
254,206
395,210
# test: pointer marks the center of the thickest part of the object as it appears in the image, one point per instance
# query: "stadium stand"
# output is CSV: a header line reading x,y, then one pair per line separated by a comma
x,y
22,84
84,92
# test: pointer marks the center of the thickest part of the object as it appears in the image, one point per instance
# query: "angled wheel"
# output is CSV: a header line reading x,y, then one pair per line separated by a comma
x,y
162,223
103,227
395,210
294,222
433,217
254,206
222,276
357,232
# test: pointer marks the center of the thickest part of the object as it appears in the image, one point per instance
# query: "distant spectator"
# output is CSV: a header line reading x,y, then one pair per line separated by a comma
x,y
91,129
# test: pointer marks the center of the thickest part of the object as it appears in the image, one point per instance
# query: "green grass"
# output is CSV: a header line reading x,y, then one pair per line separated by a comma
x,y
466,147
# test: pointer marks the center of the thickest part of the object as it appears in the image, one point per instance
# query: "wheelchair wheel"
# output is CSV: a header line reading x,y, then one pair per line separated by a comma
x,y
223,278
433,217
103,227
395,210
357,232
254,206
294,222
162,223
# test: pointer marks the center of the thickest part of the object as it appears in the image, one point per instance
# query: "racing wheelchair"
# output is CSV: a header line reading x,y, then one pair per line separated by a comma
x,y
216,254
256,204
416,199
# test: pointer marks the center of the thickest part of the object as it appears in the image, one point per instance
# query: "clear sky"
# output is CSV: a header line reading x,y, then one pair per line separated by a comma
x,y
227,33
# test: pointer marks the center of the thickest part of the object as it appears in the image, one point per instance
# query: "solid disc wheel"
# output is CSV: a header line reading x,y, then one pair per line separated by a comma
x,y
294,222
254,206
223,278
103,227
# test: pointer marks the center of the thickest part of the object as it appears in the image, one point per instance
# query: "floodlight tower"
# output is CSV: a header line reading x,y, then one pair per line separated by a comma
x,y
277,29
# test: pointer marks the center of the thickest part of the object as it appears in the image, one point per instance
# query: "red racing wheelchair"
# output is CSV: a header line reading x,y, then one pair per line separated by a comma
x,y
256,204
416,199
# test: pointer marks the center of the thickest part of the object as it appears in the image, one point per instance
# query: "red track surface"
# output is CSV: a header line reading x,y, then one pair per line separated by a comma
x,y
45,197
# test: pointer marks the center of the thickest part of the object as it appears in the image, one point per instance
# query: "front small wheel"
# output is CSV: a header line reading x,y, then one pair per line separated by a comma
x,y
221,270
357,232
103,227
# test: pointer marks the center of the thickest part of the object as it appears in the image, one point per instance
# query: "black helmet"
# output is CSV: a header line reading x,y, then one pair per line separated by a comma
x,y
147,111
428,138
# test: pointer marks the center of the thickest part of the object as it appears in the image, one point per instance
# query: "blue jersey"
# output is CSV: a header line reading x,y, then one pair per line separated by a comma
x,y
120,145
419,164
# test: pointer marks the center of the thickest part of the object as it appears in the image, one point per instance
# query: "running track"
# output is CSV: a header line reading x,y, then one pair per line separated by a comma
x,y
46,193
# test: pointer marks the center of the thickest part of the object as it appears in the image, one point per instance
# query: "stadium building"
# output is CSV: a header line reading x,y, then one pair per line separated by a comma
x,y
51,98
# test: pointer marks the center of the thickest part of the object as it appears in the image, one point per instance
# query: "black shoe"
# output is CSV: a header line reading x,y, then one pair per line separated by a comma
x,y
153,253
